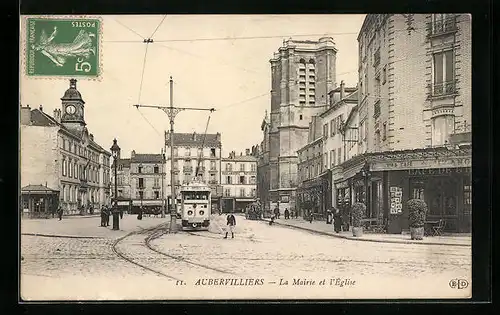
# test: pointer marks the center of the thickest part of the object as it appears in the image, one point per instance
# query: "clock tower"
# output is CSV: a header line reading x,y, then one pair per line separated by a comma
x,y
73,108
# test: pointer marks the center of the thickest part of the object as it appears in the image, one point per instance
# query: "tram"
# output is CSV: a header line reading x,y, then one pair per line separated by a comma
x,y
195,206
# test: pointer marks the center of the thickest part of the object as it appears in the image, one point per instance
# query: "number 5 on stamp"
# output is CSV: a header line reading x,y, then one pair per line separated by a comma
x,y
62,47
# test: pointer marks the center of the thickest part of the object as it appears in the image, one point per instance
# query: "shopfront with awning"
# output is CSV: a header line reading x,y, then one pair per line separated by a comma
x,y
385,181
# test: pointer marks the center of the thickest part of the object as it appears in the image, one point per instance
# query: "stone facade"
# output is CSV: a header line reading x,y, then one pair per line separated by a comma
x,y
192,152
239,180
302,74
415,80
59,152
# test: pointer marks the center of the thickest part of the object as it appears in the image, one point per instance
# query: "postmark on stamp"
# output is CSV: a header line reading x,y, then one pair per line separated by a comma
x,y
62,47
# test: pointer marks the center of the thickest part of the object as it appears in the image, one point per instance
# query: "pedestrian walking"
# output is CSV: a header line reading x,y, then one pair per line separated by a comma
x,y
139,215
287,214
121,213
108,214
337,221
60,212
103,215
231,223
272,220
310,217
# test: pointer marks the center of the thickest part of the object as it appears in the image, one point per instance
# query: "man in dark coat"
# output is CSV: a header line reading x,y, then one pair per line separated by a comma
x,y
60,213
287,214
103,215
231,223
337,221
108,214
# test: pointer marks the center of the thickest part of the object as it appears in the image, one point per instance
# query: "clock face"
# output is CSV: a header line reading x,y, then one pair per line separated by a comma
x,y
70,109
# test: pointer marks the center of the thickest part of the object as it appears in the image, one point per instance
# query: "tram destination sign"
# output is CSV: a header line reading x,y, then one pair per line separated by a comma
x,y
442,163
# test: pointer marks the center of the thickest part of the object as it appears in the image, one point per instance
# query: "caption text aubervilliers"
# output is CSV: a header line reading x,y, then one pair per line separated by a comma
x,y
333,281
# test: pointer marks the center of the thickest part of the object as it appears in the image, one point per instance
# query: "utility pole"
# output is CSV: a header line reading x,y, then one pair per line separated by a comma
x,y
171,112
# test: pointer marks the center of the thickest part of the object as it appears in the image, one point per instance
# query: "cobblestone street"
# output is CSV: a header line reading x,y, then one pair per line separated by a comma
x,y
75,268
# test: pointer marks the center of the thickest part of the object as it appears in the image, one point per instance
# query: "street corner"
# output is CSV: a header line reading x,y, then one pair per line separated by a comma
x,y
62,47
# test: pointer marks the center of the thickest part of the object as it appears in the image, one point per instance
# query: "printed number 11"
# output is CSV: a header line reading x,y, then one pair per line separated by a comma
x,y
82,66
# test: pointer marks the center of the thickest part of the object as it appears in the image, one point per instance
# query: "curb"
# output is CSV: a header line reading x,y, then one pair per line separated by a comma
x,y
364,239
63,236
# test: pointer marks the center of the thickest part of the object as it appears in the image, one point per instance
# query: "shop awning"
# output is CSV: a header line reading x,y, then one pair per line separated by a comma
x,y
245,200
353,170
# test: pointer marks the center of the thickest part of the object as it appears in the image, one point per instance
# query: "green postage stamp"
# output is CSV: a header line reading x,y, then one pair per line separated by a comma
x,y
63,47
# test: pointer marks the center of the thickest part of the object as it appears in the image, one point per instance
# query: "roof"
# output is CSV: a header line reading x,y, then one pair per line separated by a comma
x,y
353,97
124,162
194,139
147,158
39,118
37,188
246,158
42,119
72,93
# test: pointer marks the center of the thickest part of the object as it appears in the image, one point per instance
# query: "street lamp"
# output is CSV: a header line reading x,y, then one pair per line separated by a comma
x,y
115,150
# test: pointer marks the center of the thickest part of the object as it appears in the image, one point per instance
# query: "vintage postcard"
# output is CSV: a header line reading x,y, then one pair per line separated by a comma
x,y
260,157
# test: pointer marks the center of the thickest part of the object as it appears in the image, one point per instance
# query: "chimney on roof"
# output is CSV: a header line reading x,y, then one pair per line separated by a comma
x,y
40,108
342,89
57,115
194,136
25,115
217,136
132,155
241,153
91,136
247,151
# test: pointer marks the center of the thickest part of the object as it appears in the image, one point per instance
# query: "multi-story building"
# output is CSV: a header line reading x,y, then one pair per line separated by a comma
x,y
61,164
302,74
123,182
312,191
414,105
239,180
195,152
147,176
263,170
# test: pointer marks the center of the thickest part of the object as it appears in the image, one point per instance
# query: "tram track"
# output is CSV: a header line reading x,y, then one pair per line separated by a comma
x,y
155,263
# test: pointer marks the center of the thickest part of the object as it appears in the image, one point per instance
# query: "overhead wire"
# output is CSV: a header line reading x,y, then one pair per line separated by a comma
x,y
202,145
140,90
161,22
237,38
130,29
202,57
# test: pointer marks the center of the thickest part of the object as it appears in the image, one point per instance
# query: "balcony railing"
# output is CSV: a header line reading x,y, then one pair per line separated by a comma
x,y
442,26
212,181
187,169
443,88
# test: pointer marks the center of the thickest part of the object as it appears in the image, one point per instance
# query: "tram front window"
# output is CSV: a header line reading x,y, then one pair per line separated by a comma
x,y
196,196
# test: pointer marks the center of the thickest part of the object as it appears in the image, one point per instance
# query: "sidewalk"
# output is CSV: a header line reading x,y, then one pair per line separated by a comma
x,y
87,226
327,229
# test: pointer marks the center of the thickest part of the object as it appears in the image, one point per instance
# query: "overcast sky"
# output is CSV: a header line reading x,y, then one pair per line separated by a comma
x,y
207,73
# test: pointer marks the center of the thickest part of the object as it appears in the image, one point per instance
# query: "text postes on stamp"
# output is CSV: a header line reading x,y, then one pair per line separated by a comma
x,y
63,47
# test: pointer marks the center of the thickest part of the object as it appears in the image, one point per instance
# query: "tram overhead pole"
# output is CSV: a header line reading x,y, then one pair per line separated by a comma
x,y
172,112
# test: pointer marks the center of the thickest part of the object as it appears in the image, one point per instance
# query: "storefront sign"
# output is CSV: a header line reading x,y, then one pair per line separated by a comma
x,y
438,171
448,162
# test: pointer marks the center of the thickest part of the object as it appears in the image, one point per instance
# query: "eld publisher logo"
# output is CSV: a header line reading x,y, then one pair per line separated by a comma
x,y
459,284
